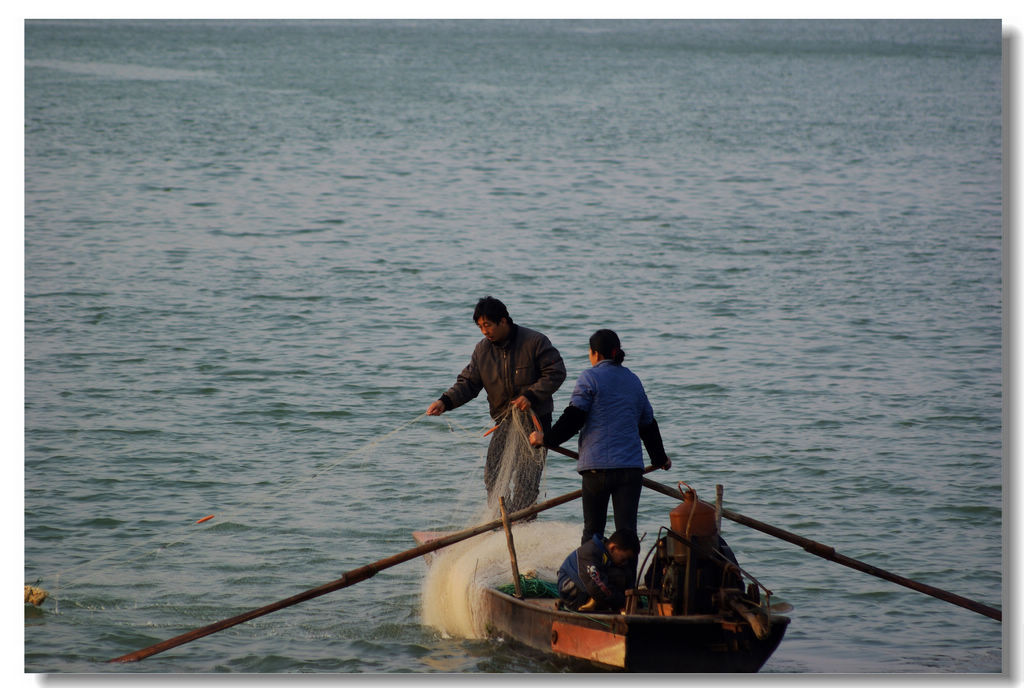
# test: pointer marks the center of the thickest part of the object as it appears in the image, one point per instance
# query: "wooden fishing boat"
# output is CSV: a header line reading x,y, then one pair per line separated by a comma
x,y
637,642
691,611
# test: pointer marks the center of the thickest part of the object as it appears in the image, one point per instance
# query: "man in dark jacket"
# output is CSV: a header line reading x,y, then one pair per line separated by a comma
x,y
597,575
517,367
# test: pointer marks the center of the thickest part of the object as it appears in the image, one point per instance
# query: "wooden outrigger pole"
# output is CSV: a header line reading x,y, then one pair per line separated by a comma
x,y
368,571
826,552
350,578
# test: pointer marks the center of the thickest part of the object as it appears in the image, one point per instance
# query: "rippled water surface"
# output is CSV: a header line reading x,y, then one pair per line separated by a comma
x,y
252,250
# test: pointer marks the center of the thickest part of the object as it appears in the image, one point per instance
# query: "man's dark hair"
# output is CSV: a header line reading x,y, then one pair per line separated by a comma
x,y
492,309
626,539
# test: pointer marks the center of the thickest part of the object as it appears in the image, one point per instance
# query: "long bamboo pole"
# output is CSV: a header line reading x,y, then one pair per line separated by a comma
x,y
349,578
511,548
827,552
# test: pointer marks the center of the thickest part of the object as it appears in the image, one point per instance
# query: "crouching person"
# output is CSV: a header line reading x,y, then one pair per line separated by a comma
x,y
597,575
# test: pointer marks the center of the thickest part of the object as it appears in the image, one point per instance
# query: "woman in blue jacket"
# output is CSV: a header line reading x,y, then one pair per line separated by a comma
x,y
610,410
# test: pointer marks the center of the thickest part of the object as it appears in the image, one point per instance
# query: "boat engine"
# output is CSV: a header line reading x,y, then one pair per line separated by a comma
x,y
694,570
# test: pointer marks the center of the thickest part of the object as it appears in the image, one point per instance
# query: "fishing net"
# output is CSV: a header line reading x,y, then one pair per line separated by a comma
x,y
531,587
453,597
514,468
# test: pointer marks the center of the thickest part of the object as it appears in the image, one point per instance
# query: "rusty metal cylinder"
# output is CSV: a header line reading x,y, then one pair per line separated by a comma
x,y
691,519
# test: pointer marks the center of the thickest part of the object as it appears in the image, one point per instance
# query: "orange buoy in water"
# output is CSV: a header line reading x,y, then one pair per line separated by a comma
x,y
204,518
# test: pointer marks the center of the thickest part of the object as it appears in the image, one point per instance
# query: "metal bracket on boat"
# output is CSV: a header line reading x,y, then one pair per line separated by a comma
x,y
757,617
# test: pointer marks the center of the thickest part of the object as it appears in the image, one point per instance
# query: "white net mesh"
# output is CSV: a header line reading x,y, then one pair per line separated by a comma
x,y
457,574
452,590
514,469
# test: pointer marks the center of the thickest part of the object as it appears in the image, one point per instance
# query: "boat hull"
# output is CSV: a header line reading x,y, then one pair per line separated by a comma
x,y
636,642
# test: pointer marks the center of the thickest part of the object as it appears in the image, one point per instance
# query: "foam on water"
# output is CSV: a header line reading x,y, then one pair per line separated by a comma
x,y
123,71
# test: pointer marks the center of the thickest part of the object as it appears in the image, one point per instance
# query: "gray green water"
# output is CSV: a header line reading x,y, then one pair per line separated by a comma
x,y
252,250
